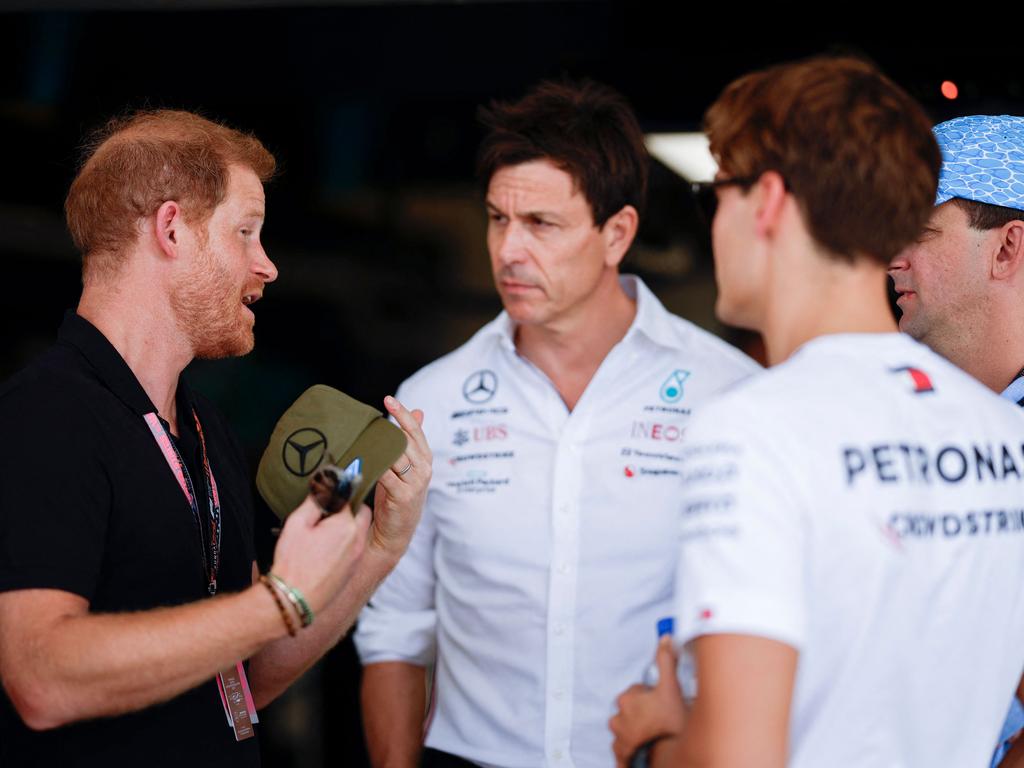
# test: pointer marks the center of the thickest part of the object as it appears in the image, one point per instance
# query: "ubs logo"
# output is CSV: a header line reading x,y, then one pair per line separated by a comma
x,y
303,450
480,387
483,434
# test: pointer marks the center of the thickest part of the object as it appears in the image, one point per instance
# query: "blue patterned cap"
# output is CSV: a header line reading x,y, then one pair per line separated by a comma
x,y
982,159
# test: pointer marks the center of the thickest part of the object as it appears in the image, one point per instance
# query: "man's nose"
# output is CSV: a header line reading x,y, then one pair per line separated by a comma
x,y
901,261
264,267
510,247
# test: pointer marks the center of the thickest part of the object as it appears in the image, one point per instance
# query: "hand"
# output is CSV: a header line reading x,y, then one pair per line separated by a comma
x,y
317,555
402,489
646,714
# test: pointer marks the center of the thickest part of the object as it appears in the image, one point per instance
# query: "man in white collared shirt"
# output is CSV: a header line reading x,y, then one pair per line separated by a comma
x,y
547,549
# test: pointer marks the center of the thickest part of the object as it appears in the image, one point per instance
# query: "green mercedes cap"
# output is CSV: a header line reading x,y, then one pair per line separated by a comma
x,y
325,426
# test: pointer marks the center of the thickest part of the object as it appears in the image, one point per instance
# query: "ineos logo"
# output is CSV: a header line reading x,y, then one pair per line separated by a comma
x,y
303,449
480,387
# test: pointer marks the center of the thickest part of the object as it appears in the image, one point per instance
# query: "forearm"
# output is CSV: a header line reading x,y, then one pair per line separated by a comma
x,y
88,665
394,704
280,663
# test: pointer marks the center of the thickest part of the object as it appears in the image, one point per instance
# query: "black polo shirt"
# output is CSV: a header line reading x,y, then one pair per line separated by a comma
x,y
89,505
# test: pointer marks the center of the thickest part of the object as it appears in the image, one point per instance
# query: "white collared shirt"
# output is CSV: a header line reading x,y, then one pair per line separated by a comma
x,y
548,544
861,503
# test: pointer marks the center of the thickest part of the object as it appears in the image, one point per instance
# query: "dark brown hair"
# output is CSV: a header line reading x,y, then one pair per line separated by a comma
x,y
585,128
134,164
986,215
855,150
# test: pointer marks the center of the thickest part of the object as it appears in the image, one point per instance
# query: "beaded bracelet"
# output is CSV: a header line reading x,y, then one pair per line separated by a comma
x,y
280,606
295,598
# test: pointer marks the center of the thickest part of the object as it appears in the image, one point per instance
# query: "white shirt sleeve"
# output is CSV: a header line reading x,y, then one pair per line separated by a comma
x,y
743,540
399,623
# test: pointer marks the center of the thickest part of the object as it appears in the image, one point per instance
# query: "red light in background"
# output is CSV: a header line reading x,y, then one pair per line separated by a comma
x,y
949,89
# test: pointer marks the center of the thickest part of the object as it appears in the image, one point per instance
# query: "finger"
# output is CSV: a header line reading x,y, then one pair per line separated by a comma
x,y
390,482
406,421
418,415
346,521
403,465
613,725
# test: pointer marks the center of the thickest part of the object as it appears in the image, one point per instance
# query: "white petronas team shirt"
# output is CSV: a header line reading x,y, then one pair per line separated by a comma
x,y
547,548
863,503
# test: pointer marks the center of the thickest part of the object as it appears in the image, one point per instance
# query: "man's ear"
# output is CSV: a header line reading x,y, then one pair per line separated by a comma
x,y
168,227
618,232
1010,250
771,194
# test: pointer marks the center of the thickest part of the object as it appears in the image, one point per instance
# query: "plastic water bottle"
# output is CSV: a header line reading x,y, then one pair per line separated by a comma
x,y
650,678
665,627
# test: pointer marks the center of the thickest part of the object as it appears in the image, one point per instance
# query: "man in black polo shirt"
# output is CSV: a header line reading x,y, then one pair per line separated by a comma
x,y
131,629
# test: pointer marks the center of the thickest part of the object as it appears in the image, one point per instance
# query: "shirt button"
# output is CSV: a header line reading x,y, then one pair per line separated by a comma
x,y
559,694
559,629
564,509
563,568
557,754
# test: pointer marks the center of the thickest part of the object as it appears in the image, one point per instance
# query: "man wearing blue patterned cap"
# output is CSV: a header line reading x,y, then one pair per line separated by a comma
x,y
961,285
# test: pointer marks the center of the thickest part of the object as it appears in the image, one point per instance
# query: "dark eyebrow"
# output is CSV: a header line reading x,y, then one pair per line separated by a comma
x,y
531,215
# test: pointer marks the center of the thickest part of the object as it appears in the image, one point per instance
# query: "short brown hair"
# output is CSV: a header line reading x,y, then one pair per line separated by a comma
x,y
986,215
585,128
855,150
134,164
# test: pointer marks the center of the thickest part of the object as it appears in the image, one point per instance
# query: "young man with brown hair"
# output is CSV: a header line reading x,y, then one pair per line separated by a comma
x,y
546,552
851,547
124,499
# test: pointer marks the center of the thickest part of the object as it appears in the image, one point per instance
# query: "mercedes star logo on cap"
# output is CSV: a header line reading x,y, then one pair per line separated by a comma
x,y
480,387
303,450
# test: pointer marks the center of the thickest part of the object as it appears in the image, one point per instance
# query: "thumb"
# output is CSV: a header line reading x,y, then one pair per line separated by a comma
x,y
363,519
306,515
666,660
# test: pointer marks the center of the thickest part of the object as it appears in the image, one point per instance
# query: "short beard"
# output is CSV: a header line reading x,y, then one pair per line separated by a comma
x,y
206,307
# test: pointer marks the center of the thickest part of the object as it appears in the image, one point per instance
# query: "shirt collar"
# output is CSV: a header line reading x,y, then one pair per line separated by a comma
x,y
1015,392
652,319
109,366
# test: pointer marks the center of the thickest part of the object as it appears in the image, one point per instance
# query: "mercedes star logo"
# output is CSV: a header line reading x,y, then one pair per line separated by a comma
x,y
480,387
303,450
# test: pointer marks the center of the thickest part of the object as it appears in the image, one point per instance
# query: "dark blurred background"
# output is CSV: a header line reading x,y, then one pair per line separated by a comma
x,y
375,219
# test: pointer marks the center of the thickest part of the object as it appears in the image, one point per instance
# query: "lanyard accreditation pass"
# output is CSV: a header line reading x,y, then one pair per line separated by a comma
x,y
239,708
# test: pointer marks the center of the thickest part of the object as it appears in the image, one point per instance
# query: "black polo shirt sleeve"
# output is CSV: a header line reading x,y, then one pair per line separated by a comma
x,y
55,494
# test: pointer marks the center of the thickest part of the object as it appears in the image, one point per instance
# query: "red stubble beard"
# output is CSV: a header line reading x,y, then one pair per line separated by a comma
x,y
209,310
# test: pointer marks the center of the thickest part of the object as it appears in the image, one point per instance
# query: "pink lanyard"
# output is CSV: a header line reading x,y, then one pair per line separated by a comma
x,y
211,561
